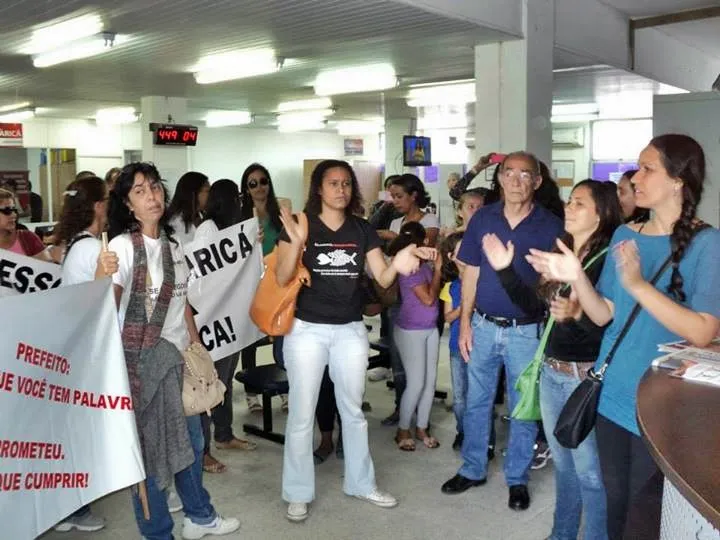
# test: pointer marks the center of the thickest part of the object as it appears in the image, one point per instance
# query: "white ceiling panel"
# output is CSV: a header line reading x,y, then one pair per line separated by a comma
x,y
649,8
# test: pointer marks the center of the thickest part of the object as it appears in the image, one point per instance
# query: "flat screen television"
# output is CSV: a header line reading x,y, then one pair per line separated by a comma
x,y
416,151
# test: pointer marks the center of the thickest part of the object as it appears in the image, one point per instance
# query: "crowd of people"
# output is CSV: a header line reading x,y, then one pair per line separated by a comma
x,y
515,256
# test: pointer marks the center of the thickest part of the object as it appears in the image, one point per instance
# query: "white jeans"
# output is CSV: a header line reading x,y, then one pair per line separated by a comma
x,y
307,350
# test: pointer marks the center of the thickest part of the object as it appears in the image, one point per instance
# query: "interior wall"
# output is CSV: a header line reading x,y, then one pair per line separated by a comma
x,y
13,159
697,115
225,152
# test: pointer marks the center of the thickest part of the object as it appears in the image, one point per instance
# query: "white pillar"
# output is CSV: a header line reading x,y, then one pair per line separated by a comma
x,y
171,161
514,84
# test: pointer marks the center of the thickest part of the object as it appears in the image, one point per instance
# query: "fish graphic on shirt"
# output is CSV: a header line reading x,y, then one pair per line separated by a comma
x,y
339,257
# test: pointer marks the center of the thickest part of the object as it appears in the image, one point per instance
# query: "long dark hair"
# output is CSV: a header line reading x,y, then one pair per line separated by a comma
x,y
78,211
548,194
223,206
185,199
607,206
450,271
313,206
246,202
410,233
682,158
120,219
412,184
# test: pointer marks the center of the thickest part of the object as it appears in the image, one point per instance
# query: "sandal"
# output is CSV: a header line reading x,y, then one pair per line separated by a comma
x,y
236,444
406,444
212,465
320,455
254,405
428,440
284,406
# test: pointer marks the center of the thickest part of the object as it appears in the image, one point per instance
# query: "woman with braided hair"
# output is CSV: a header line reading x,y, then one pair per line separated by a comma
x,y
684,304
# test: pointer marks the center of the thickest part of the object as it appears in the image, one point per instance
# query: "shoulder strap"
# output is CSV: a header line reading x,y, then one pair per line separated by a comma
x,y
79,236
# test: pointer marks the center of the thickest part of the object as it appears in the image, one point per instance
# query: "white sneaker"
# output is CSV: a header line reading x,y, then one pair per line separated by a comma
x,y
378,374
86,523
379,498
173,501
297,511
219,527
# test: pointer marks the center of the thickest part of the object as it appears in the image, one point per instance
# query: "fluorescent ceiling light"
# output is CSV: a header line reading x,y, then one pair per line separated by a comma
x,y
227,118
18,115
358,127
302,121
291,128
54,35
569,118
575,108
236,65
450,121
438,95
305,105
356,79
76,50
14,106
116,115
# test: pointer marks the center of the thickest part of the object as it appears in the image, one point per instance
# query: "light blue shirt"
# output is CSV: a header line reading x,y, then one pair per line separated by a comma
x,y
701,284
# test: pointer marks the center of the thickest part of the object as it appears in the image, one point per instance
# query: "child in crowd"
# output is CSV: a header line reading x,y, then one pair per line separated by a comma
x,y
468,203
451,297
417,339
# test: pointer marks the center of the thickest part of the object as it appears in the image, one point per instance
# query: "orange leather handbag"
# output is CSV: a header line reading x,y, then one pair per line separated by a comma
x,y
273,306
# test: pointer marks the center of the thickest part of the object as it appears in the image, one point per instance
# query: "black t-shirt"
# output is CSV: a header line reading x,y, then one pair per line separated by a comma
x,y
336,262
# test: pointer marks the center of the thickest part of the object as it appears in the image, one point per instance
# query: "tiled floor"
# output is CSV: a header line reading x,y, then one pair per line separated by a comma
x,y
250,489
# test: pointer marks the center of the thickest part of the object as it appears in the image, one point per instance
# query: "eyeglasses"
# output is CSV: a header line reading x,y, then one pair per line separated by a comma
x,y
252,184
523,176
8,210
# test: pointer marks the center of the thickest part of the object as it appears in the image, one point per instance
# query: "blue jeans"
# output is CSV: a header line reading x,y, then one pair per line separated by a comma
x,y
494,347
308,349
459,376
579,486
188,483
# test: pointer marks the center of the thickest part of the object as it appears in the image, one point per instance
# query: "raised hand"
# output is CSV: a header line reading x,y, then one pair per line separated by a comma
x,y
426,253
627,262
498,255
563,266
405,261
292,228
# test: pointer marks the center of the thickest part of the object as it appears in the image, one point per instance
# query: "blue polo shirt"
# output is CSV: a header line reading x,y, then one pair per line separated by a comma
x,y
538,230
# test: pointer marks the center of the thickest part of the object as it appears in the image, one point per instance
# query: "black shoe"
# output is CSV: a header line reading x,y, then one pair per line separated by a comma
x,y
391,420
458,484
491,453
340,451
457,444
519,498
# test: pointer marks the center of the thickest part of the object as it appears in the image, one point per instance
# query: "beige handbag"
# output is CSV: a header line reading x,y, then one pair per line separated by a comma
x,y
202,390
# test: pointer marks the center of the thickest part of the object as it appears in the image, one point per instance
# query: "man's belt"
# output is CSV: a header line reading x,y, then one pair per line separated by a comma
x,y
504,322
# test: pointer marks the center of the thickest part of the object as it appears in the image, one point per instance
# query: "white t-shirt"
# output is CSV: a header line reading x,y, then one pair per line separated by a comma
x,y
206,230
180,235
81,262
429,221
174,330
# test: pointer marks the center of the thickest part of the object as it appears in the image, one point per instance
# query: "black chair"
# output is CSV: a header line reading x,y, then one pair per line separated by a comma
x,y
269,380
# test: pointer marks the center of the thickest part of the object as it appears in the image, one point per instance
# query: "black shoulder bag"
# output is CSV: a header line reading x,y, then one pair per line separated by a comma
x,y
577,418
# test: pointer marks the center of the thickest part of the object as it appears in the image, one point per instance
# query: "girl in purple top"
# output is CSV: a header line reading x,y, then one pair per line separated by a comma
x,y
417,339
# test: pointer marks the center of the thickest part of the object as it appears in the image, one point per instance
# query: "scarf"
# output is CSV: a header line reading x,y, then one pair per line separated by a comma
x,y
155,370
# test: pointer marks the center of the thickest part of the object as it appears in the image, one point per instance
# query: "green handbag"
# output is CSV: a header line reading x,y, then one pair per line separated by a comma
x,y
528,383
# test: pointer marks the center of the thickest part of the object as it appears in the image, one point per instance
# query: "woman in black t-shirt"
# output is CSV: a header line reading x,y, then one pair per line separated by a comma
x,y
329,330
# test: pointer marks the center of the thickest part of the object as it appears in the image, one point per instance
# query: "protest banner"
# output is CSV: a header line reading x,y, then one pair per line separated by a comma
x,y
67,435
224,272
20,274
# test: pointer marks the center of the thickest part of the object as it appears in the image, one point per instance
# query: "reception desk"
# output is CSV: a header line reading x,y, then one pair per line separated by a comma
x,y
680,422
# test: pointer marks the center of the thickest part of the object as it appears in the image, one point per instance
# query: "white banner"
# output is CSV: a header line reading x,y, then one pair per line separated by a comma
x,y
20,274
67,434
224,273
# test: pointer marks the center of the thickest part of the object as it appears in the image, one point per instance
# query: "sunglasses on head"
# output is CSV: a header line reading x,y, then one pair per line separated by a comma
x,y
8,210
252,184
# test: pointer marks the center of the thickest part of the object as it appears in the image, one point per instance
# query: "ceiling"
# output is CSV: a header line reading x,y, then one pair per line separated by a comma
x,y
170,36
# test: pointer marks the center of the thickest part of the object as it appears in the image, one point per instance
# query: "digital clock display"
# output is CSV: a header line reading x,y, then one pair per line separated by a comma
x,y
174,134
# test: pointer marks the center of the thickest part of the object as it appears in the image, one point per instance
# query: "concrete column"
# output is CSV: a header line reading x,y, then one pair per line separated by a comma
x,y
514,84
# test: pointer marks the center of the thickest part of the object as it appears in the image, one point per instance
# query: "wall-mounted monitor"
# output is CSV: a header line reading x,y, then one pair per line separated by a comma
x,y
416,151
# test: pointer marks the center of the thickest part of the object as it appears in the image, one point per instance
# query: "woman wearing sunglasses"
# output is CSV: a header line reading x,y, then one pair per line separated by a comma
x,y
257,197
21,242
